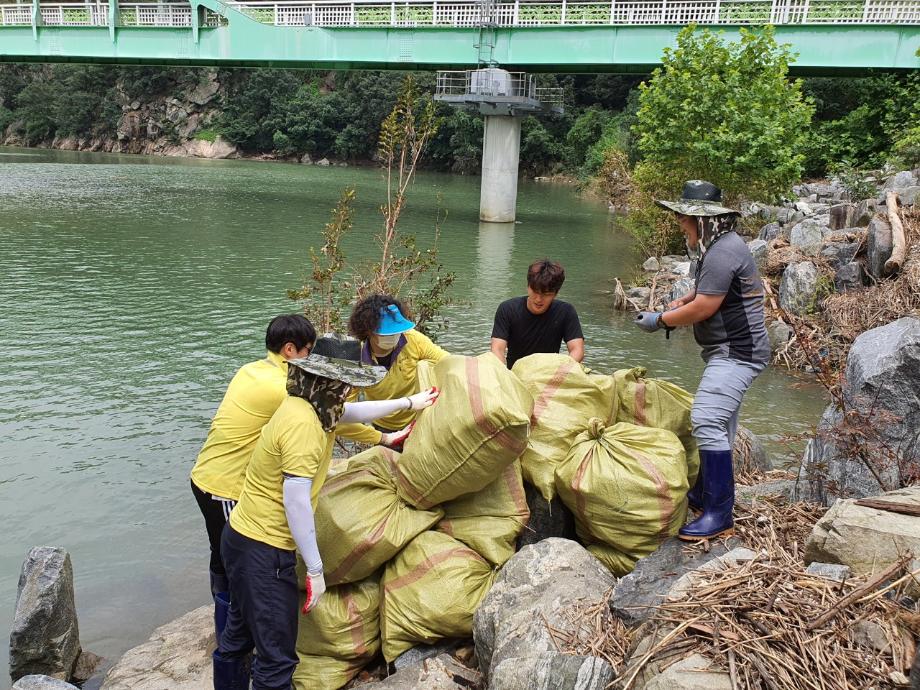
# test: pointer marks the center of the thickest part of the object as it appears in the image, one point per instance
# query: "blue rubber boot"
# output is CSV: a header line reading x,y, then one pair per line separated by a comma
x,y
230,673
221,610
695,495
718,498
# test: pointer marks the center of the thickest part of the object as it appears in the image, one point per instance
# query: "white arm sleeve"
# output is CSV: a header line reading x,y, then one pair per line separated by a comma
x,y
369,410
299,513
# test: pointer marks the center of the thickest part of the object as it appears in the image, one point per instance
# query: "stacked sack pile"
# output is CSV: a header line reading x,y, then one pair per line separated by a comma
x,y
412,542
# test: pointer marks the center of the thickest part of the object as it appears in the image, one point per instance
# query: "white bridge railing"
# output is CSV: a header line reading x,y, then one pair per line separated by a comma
x,y
468,13
504,85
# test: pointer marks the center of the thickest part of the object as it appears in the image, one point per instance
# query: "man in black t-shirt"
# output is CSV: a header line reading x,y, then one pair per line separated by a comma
x,y
538,322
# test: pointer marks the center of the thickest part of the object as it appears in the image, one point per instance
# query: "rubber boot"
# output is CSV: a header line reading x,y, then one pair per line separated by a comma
x,y
695,495
230,673
221,610
718,498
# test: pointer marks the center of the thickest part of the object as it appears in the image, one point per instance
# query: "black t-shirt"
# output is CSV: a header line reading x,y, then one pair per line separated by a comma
x,y
529,333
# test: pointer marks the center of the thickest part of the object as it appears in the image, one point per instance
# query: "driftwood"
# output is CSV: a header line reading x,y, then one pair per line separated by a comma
x,y
890,506
898,242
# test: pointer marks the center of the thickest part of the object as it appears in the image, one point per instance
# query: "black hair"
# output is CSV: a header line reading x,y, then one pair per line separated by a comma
x,y
365,317
289,328
545,275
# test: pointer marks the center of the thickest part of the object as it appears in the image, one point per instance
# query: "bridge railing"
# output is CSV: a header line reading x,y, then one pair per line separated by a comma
x,y
496,84
468,13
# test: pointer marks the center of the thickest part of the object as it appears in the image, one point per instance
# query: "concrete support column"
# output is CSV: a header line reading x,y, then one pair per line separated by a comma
x,y
501,150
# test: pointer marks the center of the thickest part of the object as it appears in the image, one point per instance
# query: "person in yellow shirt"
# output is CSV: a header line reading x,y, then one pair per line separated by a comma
x,y
274,515
388,339
253,396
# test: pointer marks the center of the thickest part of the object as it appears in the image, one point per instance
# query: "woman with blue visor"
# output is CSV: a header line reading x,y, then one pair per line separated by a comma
x,y
388,339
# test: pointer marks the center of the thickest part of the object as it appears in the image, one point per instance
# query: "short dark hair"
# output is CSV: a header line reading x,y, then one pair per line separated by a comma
x,y
545,275
289,328
365,317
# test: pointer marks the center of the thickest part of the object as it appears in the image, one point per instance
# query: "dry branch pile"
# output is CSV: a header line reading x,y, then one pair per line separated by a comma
x,y
767,623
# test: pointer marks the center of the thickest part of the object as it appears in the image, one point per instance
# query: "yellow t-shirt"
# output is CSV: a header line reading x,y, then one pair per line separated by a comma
x,y
251,399
292,443
401,380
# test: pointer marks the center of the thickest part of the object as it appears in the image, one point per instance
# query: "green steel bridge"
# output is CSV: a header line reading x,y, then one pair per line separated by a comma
x,y
626,36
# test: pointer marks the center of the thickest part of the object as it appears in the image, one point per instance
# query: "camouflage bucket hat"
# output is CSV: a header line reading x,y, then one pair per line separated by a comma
x,y
699,198
340,359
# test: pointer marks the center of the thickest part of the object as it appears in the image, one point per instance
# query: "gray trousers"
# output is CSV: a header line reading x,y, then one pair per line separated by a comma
x,y
718,400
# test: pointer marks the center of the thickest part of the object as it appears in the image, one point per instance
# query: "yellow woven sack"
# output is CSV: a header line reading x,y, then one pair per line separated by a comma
x,y
489,521
566,395
627,487
339,636
658,404
430,591
361,522
477,428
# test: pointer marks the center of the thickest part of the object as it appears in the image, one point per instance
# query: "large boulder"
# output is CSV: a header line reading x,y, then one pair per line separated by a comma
x,y
881,390
749,453
176,657
532,590
867,539
770,231
758,249
878,247
45,637
842,215
635,595
34,682
441,673
551,671
798,289
840,253
779,333
808,236
905,178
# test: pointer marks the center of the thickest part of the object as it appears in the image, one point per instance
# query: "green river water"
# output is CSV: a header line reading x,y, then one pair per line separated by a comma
x,y
132,288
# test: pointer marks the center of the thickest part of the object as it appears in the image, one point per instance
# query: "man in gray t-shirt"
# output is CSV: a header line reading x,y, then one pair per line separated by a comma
x,y
726,312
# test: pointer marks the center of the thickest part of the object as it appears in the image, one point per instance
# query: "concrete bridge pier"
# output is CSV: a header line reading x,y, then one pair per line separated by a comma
x,y
501,149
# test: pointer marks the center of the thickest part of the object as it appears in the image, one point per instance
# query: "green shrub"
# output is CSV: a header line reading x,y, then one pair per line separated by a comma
x,y
206,135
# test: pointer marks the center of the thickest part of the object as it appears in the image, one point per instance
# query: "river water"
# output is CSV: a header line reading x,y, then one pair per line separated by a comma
x,y
132,288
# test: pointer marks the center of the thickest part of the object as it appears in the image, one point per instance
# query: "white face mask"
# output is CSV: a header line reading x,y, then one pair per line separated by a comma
x,y
387,343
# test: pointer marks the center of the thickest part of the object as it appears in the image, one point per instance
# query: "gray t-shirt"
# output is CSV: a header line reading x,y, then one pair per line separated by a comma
x,y
737,329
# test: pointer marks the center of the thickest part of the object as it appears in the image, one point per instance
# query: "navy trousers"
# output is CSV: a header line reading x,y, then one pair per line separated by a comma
x,y
263,609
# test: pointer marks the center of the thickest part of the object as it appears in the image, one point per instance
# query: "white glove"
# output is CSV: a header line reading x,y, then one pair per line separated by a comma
x,y
420,401
316,585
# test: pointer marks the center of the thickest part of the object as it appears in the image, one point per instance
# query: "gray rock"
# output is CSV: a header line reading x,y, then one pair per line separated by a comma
x,y
842,215
177,656
866,539
552,671
681,268
651,265
785,488
865,209
547,519
640,294
205,91
687,582
849,277
905,178
798,289
441,673
421,652
691,673
34,682
829,571
669,260
882,389
635,595
45,636
803,207
908,196
878,247
789,216
750,455
758,249
306,160
680,288
779,333
808,236
840,253
534,588
770,231
323,162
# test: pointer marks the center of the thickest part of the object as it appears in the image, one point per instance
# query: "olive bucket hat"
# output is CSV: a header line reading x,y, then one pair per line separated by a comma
x,y
340,359
699,198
